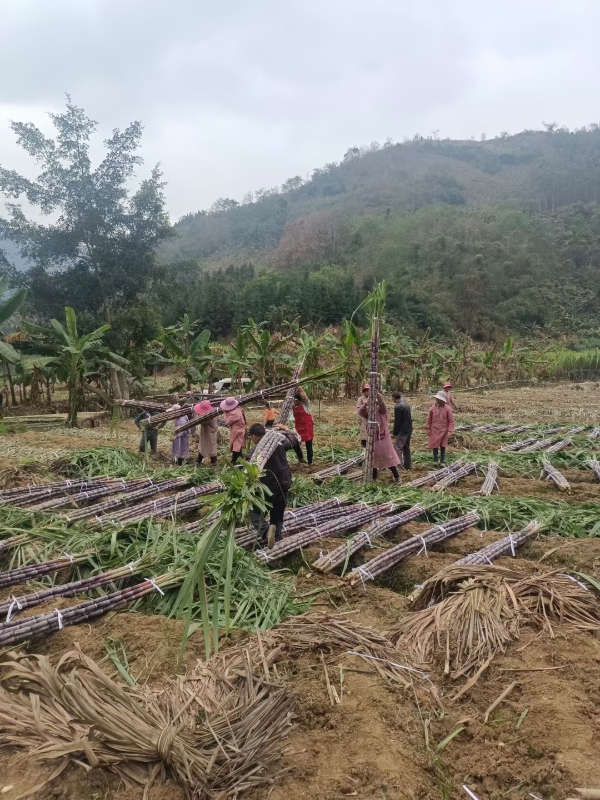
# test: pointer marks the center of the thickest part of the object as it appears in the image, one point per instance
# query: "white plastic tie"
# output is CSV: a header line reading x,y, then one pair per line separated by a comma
x,y
156,586
59,616
368,538
511,540
364,574
14,604
424,546
571,578
132,564
472,795
69,556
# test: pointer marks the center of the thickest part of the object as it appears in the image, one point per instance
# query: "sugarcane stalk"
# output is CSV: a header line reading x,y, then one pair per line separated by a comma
x,y
14,576
288,403
554,448
13,541
491,480
417,544
144,405
454,476
92,494
557,477
125,499
372,425
328,561
541,444
338,469
36,494
502,547
266,447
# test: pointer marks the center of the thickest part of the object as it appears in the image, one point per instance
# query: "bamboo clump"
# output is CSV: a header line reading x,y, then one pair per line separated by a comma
x,y
454,477
338,469
491,480
416,544
556,476
378,529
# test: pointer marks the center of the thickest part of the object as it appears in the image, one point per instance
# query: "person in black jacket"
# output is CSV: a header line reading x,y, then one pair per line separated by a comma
x,y
402,430
149,433
278,479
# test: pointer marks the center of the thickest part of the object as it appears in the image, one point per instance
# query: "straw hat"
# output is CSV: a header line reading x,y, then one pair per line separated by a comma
x,y
203,408
447,385
229,404
441,396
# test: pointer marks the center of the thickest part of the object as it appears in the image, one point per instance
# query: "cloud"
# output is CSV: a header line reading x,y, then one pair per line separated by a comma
x,y
240,95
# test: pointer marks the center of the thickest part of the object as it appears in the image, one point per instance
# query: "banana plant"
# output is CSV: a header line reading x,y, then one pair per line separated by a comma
x,y
187,350
8,354
266,353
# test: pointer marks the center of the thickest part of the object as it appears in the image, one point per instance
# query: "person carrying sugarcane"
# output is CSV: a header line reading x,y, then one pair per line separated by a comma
x,y
149,433
208,434
447,389
362,401
277,478
235,419
402,429
439,425
180,447
384,455
304,425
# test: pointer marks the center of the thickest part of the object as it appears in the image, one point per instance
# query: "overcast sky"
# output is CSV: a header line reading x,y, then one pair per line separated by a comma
x,y
242,94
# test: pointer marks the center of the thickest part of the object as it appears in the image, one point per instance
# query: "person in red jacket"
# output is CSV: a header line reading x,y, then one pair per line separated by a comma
x,y
303,422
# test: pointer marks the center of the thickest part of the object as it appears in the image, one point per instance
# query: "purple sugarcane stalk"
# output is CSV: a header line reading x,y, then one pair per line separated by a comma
x,y
34,571
288,403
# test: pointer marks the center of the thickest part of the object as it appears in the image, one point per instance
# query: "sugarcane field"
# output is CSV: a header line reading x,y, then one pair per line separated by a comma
x,y
421,620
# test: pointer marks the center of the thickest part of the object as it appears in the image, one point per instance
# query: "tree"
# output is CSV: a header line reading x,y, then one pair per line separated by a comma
x,y
8,354
101,244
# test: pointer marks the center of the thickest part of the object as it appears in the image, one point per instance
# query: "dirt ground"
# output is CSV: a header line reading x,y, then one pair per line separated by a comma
x,y
382,741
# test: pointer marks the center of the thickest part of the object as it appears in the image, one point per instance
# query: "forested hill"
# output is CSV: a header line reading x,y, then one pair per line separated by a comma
x,y
481,237
539,170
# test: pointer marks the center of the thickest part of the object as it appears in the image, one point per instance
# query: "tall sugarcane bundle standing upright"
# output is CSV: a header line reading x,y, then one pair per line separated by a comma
x,y
288,403
375,303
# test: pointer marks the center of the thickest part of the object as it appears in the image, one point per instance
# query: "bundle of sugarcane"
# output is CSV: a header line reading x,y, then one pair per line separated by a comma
x,y
594,465
92,494
541,444
338,469
432,477
491,479
298,515
247,537
242,399
34,571
577,429
463,427
155,508
325,529
416,544
558,429
13,541
13,605
554,448
502,547
288,403
17,631
557,477
131,497
593,434
473,611
339,555
488,427
29,495
266,447
144,405
454,476
519,429
511,448
374,382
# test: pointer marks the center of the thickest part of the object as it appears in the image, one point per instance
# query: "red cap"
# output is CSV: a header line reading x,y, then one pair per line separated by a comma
x,y
447,385
366,386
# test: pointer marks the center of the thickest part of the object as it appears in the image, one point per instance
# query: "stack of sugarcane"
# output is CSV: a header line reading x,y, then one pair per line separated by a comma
x,y
512,448
13,541
502,547
519,429
13,605
36,493
127,499
416,544
158,508
288,403
454,476
594,465
491,479
463,427
334,558
242,399
554,448
34,571
338,469
372,424
556,476
123,487
246,536
266,447
144,405
594,434
432,477
540,444
558,429
17,631
491,428
324,530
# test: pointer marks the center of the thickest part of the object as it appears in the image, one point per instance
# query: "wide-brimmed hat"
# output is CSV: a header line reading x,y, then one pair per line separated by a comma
x,y
441,396
229,404
366,386
447,385
203,408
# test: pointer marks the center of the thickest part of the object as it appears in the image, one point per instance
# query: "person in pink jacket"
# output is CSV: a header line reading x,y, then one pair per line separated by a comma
x,y
235,419
384,455
439,426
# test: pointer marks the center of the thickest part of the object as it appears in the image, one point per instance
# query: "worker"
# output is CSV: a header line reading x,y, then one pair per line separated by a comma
x,y
303,423
277,478
208,433
439,426
362,401
269,415
402,429
149,433
447,389
235,419
180,447
384,455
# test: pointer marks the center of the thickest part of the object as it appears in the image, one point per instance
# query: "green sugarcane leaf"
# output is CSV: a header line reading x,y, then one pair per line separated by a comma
x,y
449,738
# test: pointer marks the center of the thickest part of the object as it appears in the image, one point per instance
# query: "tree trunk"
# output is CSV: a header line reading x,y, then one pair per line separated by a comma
x,y
35,386
10,383
124,385
115,385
